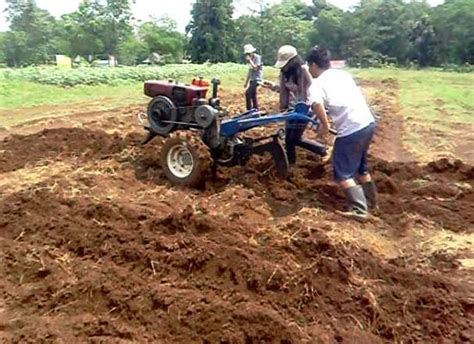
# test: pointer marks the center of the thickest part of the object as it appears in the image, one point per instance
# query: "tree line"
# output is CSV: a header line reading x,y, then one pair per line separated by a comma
x,y
372,33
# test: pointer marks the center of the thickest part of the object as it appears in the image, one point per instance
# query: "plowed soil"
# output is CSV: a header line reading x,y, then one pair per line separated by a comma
x,y
96,246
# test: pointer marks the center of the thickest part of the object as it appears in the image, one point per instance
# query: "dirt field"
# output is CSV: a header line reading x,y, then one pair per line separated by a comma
x,y
96,246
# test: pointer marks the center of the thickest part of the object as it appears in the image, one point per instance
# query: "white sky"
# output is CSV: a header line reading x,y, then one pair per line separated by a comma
x,y
179,10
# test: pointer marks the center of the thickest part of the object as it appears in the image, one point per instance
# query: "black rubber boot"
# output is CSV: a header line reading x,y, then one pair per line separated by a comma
x,y
357,204
370,192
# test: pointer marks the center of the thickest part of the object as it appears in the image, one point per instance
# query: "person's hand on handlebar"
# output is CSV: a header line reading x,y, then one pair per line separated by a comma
x,y
323,132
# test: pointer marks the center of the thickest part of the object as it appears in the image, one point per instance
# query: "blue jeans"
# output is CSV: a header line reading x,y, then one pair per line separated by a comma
x,y
350,154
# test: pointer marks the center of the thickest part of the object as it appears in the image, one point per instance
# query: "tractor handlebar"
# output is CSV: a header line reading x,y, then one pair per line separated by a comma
x,y
239,124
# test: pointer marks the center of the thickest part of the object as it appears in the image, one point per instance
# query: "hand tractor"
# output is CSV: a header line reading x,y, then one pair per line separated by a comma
x,y
200,135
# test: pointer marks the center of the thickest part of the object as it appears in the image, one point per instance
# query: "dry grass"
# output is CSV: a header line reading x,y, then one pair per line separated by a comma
x,y
29,176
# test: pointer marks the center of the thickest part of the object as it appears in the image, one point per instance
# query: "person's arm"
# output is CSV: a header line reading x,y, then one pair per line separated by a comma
x,y
316,94
306,84
320,111
254,65
270,85
284,95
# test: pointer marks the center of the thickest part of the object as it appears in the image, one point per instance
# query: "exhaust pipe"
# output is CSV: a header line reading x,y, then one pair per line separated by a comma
x,y
215,86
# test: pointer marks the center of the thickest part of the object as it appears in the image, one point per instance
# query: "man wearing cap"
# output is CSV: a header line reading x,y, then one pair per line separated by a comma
x,y
295,83
254,76
336,90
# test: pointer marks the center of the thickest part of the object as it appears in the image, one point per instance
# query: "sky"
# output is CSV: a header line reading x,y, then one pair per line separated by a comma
x,y
179,10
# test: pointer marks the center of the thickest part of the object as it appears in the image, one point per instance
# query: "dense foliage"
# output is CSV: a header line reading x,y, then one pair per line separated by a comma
x,y
376,32
212,31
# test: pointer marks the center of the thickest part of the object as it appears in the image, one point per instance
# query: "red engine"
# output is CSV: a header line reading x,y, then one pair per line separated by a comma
x,y
180,94
180,106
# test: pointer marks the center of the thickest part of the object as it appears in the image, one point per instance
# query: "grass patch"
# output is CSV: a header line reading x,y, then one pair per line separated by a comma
x,y
19,94
430,95
437,107
24,101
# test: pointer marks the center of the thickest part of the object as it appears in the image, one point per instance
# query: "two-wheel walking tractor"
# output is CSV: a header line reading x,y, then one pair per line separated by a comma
x,y
200,134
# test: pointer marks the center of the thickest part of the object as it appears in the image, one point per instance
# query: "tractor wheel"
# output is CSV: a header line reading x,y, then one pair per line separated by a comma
x,y
161,111
186,160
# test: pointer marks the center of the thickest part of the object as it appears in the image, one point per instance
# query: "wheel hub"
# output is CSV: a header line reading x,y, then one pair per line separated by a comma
x,y
180,161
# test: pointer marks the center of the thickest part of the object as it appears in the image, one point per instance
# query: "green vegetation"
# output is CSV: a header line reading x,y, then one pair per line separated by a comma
x,y
98,28
19,94
374,33
117,76
430,95
437,107
212,30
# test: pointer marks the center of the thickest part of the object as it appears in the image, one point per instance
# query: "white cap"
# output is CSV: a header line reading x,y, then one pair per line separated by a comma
x,y
285,54
249,49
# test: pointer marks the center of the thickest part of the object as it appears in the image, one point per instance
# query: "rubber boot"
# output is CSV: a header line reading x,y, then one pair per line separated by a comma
x,y
370,192
357,204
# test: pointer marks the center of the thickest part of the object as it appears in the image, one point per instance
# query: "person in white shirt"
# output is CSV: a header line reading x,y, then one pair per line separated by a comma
x,y
336,91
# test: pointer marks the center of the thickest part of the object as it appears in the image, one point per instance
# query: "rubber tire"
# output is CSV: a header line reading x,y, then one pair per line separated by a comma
x,y
200,154
156,126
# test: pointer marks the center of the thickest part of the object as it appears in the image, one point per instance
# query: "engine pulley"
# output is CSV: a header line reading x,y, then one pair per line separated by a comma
x,y
205,116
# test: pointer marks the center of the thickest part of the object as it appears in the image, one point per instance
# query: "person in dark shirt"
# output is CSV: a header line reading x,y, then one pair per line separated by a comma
x,y
295,83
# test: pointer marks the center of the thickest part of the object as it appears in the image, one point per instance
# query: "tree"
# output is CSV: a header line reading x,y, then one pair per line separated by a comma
x,y
31,33
15,48
453,24
286,23
97,28
251,28
3,58
212,31
161,36
329,30
133,51
270,27
116,25
80,32
422,38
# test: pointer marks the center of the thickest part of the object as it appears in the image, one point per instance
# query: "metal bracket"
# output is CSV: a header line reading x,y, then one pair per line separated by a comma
x,y
151,136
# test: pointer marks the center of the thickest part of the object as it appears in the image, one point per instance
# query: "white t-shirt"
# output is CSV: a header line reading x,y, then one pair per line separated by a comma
x,y
346,105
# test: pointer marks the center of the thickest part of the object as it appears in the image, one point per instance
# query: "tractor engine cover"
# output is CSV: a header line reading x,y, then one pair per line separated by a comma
x,y
180,94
